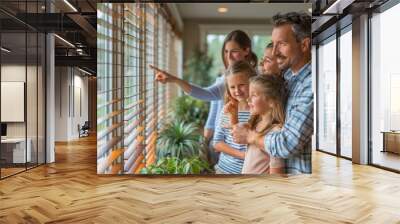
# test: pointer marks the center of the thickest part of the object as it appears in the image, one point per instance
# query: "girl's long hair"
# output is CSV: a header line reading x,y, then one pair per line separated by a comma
x,y
273,88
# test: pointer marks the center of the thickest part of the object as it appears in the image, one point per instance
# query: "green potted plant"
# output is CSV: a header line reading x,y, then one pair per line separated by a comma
x,y
180,150
174,165
180,139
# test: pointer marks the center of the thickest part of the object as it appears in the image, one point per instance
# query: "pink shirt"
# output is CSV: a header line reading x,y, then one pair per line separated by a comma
x,y
257,161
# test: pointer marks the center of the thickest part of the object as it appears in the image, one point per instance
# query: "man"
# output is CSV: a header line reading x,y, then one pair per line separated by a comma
x,y
291,38
268,64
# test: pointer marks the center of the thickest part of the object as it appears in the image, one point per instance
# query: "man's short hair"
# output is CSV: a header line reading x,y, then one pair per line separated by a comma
x,y
300,21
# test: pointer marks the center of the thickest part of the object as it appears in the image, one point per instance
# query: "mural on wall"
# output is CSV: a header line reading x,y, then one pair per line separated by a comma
x,y
145,128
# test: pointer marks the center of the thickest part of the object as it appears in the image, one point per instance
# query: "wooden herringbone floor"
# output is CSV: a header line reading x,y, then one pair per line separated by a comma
x,y
69,191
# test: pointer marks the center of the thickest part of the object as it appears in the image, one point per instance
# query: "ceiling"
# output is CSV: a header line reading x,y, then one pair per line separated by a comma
x,y
77,27
331,16
21,45
39,5
237,10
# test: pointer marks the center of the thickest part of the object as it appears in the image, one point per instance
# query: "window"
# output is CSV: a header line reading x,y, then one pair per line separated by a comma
x,y
131,105
327,96
214,46
333,106
346,74
150,91
133,98
109,91
163,45
385,86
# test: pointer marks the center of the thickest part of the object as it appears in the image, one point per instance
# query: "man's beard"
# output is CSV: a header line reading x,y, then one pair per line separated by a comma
x,y
284,65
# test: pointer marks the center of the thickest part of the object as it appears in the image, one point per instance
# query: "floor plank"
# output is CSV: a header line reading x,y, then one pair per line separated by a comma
x,y
387,159
69,191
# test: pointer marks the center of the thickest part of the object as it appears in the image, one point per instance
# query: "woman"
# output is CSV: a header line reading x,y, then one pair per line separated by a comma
x,y
236,47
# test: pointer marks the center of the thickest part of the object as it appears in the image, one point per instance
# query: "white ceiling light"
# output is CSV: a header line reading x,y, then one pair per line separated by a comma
x,y
65,41
310,10
70,5
222,9
5,49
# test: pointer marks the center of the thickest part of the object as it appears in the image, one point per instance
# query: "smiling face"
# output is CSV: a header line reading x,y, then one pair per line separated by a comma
x,y
269,65
258,102
238,86
233,52
287,49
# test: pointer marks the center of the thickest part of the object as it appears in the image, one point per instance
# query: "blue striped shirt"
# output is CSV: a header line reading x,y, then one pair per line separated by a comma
x,y
227,163
293,141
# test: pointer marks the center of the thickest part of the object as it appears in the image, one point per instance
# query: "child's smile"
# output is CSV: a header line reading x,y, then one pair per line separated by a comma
x,y
238,86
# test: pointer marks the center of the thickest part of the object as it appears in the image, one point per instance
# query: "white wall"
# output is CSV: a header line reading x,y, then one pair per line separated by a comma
x,y
61,103
79,117
71,94
16,73
12,73
33,126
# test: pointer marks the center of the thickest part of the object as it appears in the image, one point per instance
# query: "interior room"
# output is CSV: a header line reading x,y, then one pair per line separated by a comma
x,y
22,102
335,87
42,77
80,107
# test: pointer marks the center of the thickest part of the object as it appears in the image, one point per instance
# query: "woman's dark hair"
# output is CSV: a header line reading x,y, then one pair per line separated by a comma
x,y
244,41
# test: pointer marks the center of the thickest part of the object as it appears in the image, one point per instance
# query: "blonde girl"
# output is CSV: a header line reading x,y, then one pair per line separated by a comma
x,y
237,89
266,104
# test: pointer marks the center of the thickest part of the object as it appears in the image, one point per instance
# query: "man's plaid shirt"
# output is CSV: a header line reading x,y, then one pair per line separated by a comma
x,y
293,142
